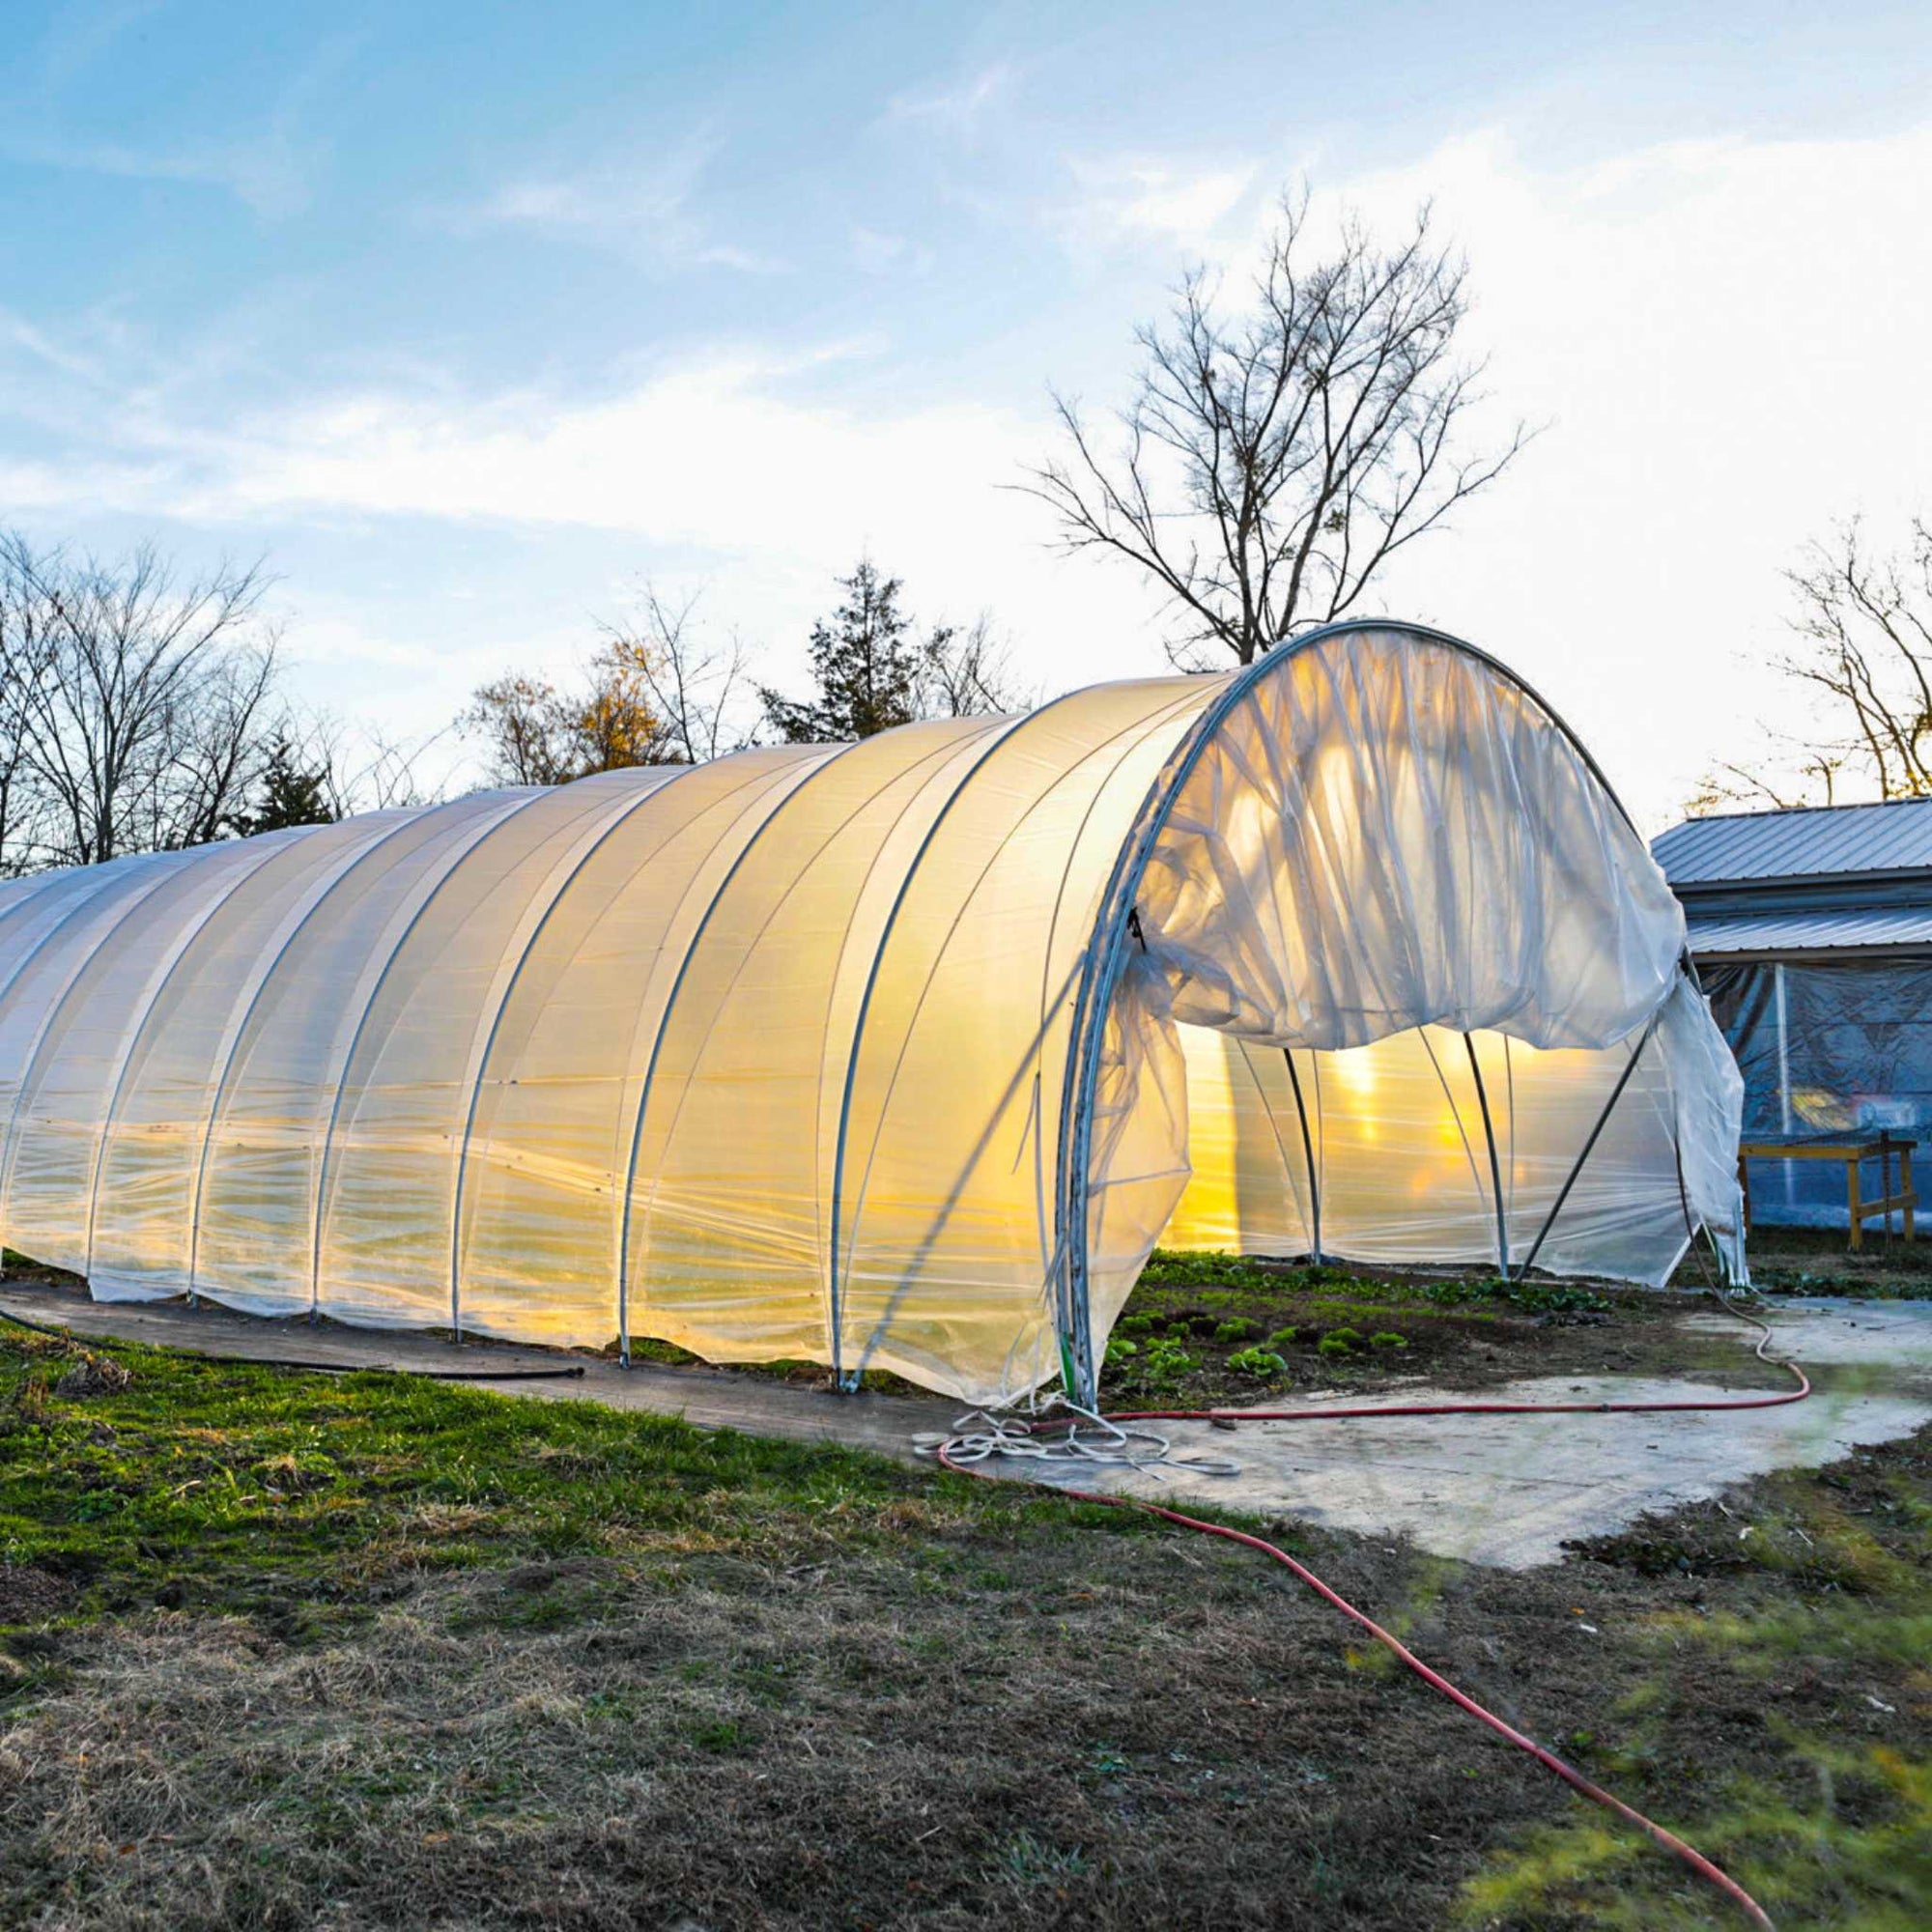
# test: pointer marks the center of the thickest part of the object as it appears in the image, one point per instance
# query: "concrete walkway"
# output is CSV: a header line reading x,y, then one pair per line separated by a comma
x,y
1501,1489
707,1398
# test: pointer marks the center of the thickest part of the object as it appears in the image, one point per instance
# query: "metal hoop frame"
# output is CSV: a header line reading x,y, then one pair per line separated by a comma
x,y
1105,958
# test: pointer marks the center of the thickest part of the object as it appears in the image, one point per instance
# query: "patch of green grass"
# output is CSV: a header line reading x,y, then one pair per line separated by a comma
x,y
1853,1850
255,1490
336,1646
1337,1310
1024,1860
1834,1284
1813,1639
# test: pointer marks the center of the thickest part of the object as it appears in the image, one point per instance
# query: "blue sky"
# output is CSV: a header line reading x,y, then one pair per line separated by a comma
x,y
469,316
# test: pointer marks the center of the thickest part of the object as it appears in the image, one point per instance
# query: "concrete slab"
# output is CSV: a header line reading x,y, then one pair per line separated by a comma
x,y
1894,1335
1511,1490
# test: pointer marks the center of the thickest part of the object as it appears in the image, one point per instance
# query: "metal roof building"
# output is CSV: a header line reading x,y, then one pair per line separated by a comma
x,y
1812,930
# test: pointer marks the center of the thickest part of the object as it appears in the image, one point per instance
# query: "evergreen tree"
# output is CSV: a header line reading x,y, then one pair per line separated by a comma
x,y
865,664
288,795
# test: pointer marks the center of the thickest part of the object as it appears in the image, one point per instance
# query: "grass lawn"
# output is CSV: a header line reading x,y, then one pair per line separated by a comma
x,y
280,1650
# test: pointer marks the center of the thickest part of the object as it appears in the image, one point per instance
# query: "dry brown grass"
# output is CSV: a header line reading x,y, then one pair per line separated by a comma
x,y
1100,1730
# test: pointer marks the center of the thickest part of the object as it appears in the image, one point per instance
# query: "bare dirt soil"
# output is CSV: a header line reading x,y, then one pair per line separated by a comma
x,y
1202,1329
1819,1261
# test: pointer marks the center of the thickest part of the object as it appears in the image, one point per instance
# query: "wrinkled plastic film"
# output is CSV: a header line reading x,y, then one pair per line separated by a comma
x,y
1386,858
953,1157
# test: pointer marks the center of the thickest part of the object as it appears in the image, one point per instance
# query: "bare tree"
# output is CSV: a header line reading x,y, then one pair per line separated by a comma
x,y
368,770
1271,463
1812,779
346,768
537,735
697,687
143,716
1864,625
25,660
969,673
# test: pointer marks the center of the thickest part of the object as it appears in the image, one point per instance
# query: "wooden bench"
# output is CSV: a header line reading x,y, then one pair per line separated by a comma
x,y
1854,1149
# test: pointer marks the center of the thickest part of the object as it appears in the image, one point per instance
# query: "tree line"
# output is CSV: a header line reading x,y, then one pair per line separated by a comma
x,y
655,691
142,710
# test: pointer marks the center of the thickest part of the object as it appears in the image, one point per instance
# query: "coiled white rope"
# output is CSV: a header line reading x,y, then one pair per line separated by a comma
x,y
1083,1439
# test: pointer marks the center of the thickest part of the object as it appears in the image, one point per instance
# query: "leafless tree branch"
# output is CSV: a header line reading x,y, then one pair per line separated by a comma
x,y
1863,626
138,702
1271,463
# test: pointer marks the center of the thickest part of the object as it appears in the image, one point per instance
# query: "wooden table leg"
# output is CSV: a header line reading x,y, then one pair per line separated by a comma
x,y
1743,1189
1905,1186
1856,1203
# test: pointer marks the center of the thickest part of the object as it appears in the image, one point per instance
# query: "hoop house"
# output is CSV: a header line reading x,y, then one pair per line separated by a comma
x,y
899,1054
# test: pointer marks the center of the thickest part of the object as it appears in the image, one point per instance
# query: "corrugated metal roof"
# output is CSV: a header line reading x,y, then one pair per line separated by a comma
x,y
1798,844
1713,935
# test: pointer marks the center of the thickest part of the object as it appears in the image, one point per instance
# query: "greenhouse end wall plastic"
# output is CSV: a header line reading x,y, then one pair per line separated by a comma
x,y
1826,1048
894,1055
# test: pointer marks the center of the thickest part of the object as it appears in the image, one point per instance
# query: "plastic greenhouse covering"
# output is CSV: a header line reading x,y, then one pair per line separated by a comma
x,y
1825,1047
896,1055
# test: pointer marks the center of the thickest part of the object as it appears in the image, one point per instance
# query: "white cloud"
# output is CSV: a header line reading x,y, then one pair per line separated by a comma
x,y
719,461
641,209
45,348
1141,204
263,160
707,454
270,174
958,108
1724,336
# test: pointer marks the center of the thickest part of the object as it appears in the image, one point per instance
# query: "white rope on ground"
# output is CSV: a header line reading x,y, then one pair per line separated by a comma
x,y
1085,1440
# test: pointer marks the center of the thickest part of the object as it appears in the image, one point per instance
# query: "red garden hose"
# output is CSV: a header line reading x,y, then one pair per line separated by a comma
x,y
1330,1414
1689,1854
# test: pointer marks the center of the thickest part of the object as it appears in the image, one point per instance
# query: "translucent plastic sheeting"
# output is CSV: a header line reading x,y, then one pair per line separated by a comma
x,y
950,1234
896,1055
731,1209
1826,1046
556,1121
1373,848
1396,1155
1386,834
